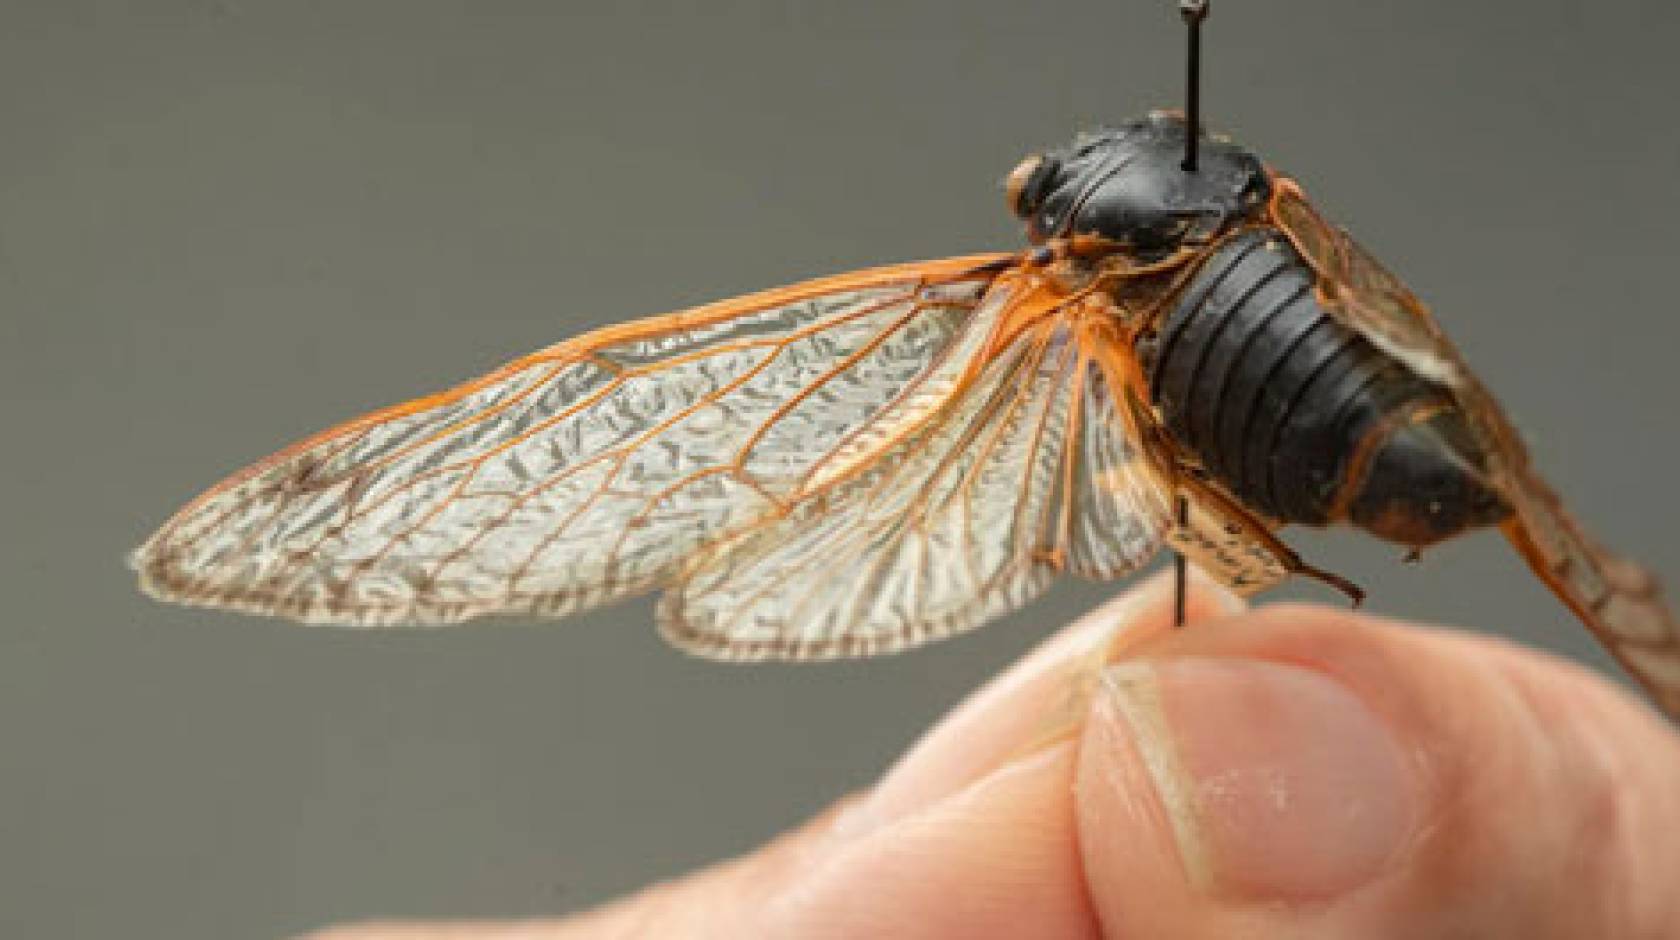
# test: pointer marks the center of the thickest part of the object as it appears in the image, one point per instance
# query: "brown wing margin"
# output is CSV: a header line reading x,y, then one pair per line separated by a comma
x,y
1619,601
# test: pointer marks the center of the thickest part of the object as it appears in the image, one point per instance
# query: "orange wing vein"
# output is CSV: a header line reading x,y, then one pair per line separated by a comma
x,y
1026,471
578,474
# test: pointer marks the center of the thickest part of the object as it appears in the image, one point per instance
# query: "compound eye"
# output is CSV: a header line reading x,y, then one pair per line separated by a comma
x,y
1028,182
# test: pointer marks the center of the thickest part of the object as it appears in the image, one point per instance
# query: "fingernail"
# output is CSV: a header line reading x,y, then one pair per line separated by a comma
x,y
1276,781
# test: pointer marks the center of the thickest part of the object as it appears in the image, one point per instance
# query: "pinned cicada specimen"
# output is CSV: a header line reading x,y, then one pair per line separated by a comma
x,y
862,463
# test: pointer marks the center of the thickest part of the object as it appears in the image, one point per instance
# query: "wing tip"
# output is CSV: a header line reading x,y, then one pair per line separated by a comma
x,y
161,581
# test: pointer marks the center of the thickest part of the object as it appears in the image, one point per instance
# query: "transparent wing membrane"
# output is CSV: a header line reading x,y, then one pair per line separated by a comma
x,y
1358,289
845,467
1116,510
1618,600
576,475
969,517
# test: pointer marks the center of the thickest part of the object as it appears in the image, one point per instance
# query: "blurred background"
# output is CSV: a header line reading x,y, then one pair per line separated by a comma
x,y
225,224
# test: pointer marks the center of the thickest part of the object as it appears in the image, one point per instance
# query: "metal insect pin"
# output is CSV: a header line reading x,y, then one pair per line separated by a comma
x,y
1187,355
1194,12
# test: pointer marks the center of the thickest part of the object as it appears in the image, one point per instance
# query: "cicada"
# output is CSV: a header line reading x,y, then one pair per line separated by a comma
x,y
859,464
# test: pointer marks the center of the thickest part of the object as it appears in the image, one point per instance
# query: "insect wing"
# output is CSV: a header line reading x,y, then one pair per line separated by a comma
x,y
1117,514
1357,288
1617,599
1620,601
1025,471
576,475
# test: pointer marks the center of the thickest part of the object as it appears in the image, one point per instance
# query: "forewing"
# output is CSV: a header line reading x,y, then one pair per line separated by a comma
x,y
1617,599
1621,602
578,474
1358,289
1020,474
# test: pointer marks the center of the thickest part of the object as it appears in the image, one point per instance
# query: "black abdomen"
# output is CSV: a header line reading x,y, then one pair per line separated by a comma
x,y
1300,416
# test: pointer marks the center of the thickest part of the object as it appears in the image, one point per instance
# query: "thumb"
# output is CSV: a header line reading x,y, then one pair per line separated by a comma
x,y
1298,772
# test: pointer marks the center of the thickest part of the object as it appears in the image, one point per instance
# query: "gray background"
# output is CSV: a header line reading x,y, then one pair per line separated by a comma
x,y
227,224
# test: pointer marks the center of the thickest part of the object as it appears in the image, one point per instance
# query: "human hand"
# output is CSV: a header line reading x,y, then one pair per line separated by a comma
x,y
1287,772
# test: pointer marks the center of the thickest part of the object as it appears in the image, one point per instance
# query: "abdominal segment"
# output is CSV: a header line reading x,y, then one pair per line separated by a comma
x,y
1300,417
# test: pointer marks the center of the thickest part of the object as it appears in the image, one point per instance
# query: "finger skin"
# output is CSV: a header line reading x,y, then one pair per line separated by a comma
x,y
1549,807
1550,796
1043,697
978,811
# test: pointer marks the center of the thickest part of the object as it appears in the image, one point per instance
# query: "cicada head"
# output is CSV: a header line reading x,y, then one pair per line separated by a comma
x,y
1129,186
